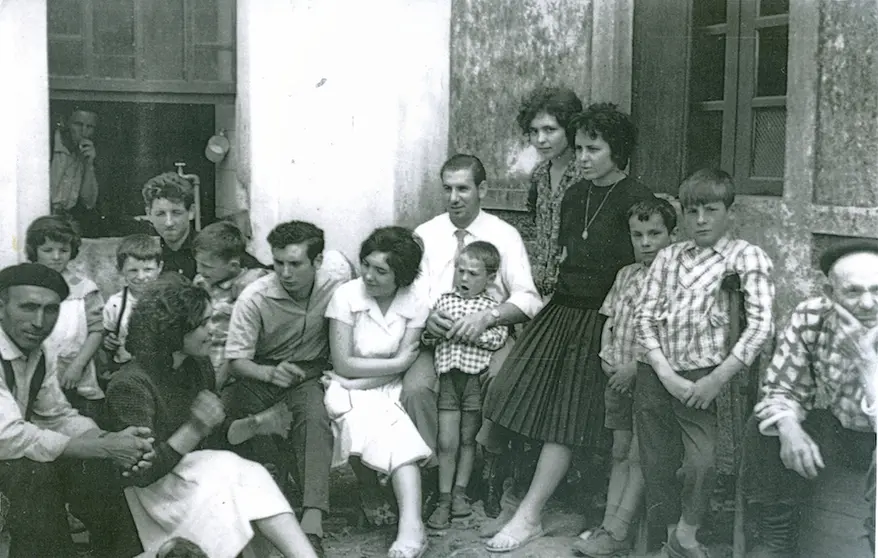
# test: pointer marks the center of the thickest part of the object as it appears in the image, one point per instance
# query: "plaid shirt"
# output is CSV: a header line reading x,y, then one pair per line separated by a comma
x,y
222,299
621,307
810,371
471,359
684,314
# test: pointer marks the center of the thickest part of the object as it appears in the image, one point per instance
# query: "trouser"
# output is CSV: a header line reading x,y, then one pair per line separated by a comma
x,y
773,491
310,440
37,519
677,449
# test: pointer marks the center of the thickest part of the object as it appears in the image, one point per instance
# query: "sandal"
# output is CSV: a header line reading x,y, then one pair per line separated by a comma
x,y
441,516
408,550
514,543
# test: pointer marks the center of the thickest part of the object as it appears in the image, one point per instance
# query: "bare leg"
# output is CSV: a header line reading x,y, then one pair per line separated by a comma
x,y
410,533
632,495
285,534
469,427
619,474
449,443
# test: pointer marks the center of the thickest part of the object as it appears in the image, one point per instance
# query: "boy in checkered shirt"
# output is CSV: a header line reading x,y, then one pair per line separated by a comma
x,y
683,325
460,367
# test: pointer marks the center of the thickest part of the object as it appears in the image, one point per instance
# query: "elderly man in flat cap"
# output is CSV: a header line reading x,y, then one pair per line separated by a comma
x,y
49,454
817,402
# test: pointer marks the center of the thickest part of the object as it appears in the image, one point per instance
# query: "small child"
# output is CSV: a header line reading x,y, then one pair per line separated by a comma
x,y
460,367
179,547
652,225
53,241
139,261
683,327
219,250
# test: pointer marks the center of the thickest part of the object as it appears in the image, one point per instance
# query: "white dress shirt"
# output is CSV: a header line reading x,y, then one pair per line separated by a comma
x,y
54,420
514,282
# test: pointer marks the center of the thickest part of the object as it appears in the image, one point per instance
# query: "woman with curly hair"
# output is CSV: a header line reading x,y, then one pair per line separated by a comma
x,y
545,117
209,497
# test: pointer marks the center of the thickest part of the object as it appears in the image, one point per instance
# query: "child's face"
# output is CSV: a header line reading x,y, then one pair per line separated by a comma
x,y
214,269
54,254
139,273
648,237
470,276
707,222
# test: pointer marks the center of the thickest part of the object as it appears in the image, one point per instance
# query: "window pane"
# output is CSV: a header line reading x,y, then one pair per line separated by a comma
x,y
113,27
772,63
708,67
774,7
205,20
213,64
769,142
121,67
66,58
65,17
708,12
164,52
705,140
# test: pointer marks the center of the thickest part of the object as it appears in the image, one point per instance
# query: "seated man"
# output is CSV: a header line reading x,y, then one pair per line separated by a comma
x,y
43,440
817,401
277,349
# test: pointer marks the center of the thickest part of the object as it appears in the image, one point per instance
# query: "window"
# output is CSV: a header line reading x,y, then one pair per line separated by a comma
x,y
737,91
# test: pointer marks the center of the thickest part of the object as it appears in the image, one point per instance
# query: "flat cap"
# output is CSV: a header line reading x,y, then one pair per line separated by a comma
x,y
844,247
36,275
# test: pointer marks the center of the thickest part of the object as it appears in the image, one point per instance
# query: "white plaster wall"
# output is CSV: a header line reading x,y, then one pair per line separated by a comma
x,y
24,145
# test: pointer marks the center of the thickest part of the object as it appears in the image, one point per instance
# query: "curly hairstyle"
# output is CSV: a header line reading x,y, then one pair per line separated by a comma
x,y
297,232
403,251
170,308
55,228
611,124
168,186
559,102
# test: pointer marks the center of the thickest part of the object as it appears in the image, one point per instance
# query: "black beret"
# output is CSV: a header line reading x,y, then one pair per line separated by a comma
x,y
843,248
36,275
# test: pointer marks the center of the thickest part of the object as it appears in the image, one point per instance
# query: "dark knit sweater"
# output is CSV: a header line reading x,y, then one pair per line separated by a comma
x,y
159,400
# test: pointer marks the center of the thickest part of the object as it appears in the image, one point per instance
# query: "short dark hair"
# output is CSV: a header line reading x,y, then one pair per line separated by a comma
x,y
297,232
644,209
139,247
168,186
560,102
169,309
180,547
707,186
55,228
222,239
611,124
403,251
462,161
485,252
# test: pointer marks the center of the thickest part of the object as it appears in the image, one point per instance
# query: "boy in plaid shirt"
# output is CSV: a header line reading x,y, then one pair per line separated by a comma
x,y
683,326
460,367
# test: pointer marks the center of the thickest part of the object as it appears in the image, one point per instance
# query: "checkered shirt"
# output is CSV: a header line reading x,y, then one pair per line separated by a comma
x,y
620,307
684,313
471,359
809,371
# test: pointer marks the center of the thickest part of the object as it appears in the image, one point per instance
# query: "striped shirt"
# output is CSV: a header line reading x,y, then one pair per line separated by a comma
x,y
684,313
810,370
620,307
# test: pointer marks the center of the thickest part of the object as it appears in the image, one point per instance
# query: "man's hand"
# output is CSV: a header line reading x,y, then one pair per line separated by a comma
x,y
71,374
111,342
798,451
622,380
87,150
858,342
207,411
286,374
677,385
704,391
469,328
438,324
128,447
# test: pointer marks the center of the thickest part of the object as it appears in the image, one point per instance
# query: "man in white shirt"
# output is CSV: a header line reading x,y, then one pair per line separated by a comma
x,y
50,455
464,184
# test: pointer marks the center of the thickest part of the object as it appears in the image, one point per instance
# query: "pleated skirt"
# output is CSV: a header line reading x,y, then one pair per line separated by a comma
x,y
551,386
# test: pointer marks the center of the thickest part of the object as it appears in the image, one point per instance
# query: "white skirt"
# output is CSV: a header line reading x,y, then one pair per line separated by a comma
x,y
372,424
210,498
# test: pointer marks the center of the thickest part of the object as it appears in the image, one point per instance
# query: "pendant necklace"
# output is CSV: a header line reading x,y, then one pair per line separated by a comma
x,y
589,222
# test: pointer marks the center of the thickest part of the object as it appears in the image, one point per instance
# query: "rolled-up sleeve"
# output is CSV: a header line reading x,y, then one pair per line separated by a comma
x,y
754,267
645,323
244,328
94,312
515,272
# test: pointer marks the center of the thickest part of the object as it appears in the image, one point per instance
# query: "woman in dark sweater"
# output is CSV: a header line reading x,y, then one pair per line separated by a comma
x,y
209,497
551,387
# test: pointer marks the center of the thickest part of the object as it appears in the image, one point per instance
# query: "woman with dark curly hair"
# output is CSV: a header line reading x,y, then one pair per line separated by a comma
x,y
375,323
545,117
551,387
209,497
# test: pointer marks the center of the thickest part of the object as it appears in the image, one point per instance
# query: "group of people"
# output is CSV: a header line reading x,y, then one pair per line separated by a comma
x,y
218,379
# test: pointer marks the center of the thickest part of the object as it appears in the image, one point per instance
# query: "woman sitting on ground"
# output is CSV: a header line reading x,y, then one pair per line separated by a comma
x,y
209,497
375,323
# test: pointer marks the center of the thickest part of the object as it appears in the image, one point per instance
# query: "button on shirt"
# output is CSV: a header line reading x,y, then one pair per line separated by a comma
x,y
684,313
809,371
54,422
621,307
514,282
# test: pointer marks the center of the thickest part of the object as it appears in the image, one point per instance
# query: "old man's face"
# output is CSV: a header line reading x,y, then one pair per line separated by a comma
x,y
853,282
